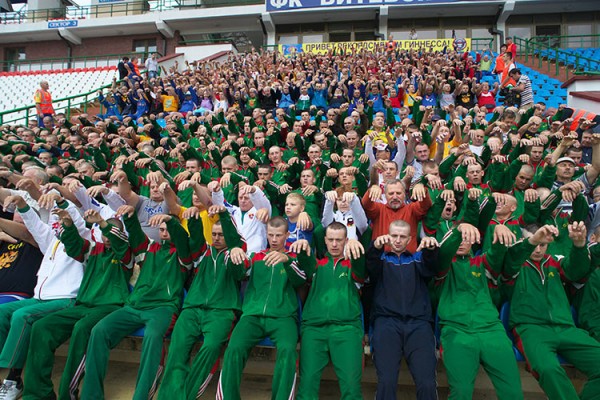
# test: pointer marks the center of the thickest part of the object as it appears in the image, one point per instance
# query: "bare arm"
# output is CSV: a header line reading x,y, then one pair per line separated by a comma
x,y
17,230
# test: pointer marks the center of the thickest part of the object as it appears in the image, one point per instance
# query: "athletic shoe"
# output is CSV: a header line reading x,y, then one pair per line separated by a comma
x,y
11,390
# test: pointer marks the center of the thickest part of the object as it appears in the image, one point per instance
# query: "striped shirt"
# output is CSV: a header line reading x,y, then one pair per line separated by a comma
x,y
527,93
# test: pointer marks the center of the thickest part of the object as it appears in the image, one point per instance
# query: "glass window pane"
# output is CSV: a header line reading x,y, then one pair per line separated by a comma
x,y
480,33
288,39
524,32
312,38
460,33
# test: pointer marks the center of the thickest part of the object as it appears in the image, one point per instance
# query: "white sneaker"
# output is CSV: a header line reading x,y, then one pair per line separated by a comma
x,y
11,390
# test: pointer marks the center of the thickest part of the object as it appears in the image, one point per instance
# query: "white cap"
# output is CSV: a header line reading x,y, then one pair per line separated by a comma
x,y
569,159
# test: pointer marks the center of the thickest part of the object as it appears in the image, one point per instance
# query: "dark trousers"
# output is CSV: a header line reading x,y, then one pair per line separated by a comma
x,y
412,339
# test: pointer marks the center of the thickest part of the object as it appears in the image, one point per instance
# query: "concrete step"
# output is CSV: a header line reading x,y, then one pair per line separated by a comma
x,y
256,384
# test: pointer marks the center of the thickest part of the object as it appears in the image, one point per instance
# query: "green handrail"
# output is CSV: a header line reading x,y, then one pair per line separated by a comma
x,y
115,9
62,62
532,49
478,44
70,103
568,41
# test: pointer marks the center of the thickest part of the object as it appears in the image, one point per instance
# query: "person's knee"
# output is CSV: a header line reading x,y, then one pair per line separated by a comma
x,y
286,349
548,370
21,317
211,348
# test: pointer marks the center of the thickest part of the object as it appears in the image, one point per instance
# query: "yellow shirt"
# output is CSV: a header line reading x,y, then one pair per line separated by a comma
x,y
455,142
170,104
207,223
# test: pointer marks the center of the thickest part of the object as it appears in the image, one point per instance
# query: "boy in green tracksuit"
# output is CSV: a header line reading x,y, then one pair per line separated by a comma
x,y
472,334
540,313
154,302
208,310
270,310
331,325
587,300
103,290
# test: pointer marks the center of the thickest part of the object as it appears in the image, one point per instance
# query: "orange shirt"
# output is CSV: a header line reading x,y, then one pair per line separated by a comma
x,y
382,216
499,64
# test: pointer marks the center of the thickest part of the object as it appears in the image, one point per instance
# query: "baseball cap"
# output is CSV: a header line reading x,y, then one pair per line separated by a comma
x,y
382,147
569,159
188,93
435,118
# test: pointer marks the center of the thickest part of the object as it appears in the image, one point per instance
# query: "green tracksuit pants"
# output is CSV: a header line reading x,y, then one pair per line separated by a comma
x,y
16,319
49,333
541,343
247,333
180,381
110,331
463,352
343,344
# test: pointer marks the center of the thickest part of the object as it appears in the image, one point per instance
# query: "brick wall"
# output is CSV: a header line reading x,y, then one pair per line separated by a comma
x,y
90,46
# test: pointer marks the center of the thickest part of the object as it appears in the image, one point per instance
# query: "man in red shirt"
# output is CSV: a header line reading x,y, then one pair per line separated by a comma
x,y
396,208
511,47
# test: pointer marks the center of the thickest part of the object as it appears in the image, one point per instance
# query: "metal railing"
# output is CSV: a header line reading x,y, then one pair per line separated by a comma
x,y
481,44
39,64
571,62
569,41
82,100
115,9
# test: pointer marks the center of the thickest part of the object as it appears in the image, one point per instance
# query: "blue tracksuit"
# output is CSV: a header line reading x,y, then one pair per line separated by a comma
x,y
401,317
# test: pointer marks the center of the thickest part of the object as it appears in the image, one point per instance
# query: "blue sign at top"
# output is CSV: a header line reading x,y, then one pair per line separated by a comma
x,y
62,24
286,5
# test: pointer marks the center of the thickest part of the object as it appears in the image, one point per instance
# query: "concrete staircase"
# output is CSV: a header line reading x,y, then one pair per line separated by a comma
x,y
256,384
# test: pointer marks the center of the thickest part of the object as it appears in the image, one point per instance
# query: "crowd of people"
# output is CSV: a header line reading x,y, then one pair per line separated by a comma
x,y
333,201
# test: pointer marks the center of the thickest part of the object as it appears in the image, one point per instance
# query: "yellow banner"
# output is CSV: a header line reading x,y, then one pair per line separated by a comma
x,y
378,46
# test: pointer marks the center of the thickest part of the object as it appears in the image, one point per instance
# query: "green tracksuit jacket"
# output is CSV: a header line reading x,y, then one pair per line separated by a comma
x,y
216,282
164,266
466,301
271,290
333,297
538,296
107,270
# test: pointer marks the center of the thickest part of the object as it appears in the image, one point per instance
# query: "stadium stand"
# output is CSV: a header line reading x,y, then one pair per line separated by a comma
x,y
18,87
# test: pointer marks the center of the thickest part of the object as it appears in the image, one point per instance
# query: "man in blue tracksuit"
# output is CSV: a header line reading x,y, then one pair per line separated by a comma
x,y
402,311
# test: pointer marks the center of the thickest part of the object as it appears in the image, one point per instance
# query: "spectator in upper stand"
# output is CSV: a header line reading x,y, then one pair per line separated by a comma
x,y
318,94
133,69
485,65
187,103
43,104
499,67
207,101
523,87
509,65
110,103
375,96
511,47
152,66
123,71
486,98
268,98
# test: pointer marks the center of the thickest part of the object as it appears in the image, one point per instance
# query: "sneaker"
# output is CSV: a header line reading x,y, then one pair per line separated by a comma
x,y
11,390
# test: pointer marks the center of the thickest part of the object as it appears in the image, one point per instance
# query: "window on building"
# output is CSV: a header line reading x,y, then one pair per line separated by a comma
x,y
584,32
340,37
363,36
460,33
313,38
12,56
288,39
524,32
144,47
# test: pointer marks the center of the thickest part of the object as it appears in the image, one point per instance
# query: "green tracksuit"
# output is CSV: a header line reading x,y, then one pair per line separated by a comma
x,y
542,320
270,310
588,298
152,304
103,290
472,334
331,325
208,311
